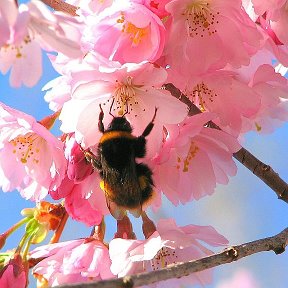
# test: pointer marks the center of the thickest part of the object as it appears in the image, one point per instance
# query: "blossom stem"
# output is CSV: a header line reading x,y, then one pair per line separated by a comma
x,y
6,234
98,232
124,229
148,226
55,238
22,241
27,246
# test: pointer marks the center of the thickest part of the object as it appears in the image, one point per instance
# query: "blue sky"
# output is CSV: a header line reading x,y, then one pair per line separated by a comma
x,y
242,211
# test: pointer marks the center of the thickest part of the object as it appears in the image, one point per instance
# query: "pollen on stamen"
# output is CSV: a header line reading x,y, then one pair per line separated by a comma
x,y
25,148
124,97
163,258
136,34
200,20
201,95
193,150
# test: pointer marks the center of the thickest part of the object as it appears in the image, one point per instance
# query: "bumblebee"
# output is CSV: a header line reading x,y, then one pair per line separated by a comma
x,y
127,184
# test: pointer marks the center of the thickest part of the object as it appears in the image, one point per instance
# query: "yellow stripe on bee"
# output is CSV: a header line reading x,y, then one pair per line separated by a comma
x,y
115,134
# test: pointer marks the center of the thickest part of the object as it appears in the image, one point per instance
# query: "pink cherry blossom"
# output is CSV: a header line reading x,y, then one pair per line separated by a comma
x,y
82,260
167,245
34,27
32,159
193,159
200,32
84,201
130,89
221,92
126,31
272,88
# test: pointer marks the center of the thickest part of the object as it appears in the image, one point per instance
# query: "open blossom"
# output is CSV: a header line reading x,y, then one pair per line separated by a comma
x,y
31,158
223,93
193,159
130,89
126,31
34,27
75,261
273,89
169,244
201,33
84,201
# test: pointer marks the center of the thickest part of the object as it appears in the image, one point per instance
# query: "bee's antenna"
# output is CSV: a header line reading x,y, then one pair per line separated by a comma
x,y
110,113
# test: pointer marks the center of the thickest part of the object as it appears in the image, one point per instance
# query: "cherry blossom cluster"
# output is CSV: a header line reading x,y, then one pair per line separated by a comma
x,y
117,55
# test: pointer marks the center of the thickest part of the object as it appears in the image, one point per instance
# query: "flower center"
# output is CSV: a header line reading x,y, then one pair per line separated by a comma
x,y
135,33
17,48
164,257
200,19
26,147
124,98
184,163
201,95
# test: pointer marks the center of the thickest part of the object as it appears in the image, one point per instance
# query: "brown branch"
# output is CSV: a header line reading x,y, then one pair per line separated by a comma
x,y
276,243
260,169
62,6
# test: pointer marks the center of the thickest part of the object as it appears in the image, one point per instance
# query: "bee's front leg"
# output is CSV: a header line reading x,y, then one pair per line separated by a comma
x,y
150,126
100,121
92,159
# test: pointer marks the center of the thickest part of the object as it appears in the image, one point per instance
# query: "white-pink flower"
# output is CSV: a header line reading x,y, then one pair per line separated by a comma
x,y
34,27
193,159
31,158
82,260
223,93
273,90
202,35
169,244
84,201
126,31
130,89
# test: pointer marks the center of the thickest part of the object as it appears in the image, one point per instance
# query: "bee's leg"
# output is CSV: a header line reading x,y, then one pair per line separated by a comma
x,y
150,126
100,121
93,160
140,147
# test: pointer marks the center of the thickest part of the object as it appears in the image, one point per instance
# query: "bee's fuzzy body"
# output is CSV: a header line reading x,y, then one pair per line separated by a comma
x,y
128,185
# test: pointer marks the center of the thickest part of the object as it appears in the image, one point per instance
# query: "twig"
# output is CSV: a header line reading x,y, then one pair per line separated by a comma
x,y
260,169
276,243
60,5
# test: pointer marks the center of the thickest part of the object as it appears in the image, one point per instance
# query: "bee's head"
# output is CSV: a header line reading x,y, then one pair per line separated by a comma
x,y
119,124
